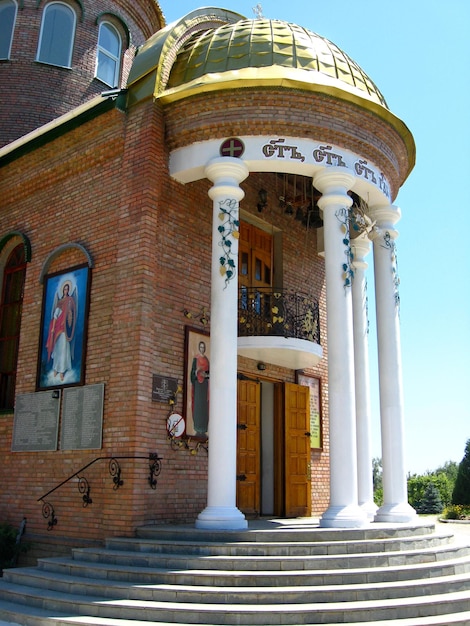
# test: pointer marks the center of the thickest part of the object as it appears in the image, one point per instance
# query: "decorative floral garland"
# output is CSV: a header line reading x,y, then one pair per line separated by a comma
x,y
228,231
389,243
343,216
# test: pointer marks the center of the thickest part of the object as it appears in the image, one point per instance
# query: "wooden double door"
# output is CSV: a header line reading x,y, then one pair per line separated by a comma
x,y
273,449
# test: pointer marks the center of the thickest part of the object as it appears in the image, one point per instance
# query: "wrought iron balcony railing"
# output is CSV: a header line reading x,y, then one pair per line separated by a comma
x,y
265,311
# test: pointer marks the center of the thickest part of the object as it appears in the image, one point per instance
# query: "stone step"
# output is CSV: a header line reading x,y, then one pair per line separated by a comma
x,y
34,616
207,577
285,531
272,563
55,581
388,576
266,548
250,615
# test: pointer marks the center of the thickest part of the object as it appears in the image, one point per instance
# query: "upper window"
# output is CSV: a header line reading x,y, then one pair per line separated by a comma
x,y
10,321
109,55
57,35
8,10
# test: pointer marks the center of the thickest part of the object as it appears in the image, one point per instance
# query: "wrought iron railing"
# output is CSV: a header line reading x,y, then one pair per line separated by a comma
x,y
84,488
278,312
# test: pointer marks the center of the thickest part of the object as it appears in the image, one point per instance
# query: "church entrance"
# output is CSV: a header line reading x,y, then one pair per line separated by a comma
x,y
273,449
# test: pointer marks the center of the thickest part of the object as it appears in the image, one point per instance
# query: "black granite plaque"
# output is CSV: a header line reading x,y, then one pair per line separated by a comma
x,y
36,421
163,388
82,417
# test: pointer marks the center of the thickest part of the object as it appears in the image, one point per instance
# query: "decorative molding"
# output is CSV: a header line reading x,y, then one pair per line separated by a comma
x,y
26,243
58,251
101,17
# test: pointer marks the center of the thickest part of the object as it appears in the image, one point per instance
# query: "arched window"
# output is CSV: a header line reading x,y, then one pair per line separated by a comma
x,y
8,9
57,35
11,306
108,58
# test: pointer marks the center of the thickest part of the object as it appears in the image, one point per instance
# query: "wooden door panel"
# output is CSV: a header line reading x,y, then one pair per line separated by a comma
x,y
255,250
297,451
248,447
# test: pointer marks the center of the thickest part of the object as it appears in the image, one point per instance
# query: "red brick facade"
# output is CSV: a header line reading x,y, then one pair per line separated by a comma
x,y
34,93
104,184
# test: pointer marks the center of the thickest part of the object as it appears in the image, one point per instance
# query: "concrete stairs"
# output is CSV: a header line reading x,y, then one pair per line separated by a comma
x,y
277,572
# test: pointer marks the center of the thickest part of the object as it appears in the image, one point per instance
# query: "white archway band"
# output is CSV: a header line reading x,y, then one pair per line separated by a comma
x,y
334,172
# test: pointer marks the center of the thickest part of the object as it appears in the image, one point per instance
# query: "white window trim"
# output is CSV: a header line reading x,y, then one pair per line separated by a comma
x,y
7,58
117,73
74,28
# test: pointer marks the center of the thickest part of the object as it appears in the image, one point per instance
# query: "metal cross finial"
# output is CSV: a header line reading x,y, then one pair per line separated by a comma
x,y
258,11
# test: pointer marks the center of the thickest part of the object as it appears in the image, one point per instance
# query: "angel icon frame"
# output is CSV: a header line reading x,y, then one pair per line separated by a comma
x,y
64,326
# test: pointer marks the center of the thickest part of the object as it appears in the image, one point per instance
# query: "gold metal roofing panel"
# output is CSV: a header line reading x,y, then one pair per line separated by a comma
x,y
263,43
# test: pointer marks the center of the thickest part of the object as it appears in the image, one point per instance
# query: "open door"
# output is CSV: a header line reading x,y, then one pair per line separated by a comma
x,y
297,451
248,447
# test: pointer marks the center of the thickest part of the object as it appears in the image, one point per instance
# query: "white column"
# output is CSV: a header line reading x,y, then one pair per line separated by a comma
x,y
360,247
343,511
395,507
221,512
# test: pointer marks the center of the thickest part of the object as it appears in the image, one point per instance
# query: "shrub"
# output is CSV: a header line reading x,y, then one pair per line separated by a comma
x,y
456,511
10,547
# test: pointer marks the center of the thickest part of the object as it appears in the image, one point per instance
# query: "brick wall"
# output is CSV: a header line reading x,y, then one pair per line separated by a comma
x,y
105,185
35,93
288,112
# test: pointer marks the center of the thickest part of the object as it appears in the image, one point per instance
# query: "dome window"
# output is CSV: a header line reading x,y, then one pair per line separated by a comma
x,y
57,35
8,9
108,55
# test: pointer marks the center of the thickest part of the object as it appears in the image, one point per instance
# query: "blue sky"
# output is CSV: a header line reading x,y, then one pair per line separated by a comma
x,y
418,54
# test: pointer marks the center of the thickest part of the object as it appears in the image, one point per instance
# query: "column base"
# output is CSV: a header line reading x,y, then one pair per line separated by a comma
x,y
402,512
369,508
221,518
350,516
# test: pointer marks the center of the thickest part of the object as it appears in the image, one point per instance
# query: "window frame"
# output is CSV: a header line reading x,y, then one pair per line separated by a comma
x,y
47,8
6,3
17,308
101,50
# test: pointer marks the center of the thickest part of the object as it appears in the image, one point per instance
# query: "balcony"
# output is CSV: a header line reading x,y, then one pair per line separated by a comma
x,y
279,327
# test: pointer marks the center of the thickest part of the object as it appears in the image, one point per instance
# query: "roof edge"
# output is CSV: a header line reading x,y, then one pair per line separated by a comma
x,y
59,126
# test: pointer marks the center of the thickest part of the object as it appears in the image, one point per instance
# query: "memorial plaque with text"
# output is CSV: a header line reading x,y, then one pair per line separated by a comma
x,y
163,388
36,422
82,417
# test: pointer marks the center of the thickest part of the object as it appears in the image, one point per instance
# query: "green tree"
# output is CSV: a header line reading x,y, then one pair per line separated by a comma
x,y
461,493
431,501
417,485
377,481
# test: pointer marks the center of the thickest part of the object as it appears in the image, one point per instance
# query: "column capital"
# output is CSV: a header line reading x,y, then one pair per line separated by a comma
x,y
385,217
226,173
333,180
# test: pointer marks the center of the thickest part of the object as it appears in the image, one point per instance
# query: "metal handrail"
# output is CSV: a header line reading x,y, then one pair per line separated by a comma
x,y
155,467
268,311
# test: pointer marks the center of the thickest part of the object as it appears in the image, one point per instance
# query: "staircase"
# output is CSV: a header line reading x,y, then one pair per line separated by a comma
x,y
277,572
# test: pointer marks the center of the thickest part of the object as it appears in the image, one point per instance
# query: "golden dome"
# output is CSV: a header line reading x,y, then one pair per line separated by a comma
x,y
267,50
